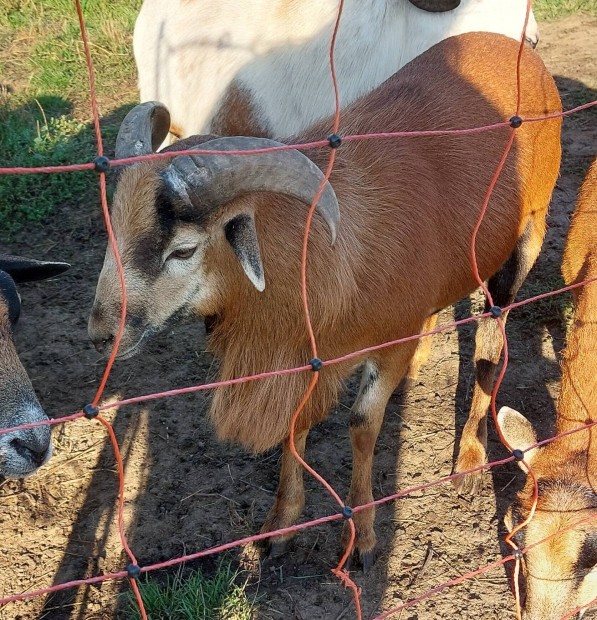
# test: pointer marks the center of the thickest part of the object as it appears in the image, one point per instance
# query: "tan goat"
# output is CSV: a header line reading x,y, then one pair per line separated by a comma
x,y
189,229
561,574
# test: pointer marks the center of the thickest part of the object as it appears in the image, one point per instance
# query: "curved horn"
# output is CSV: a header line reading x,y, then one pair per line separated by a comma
x,y
143,129
23,269
218,179
435,6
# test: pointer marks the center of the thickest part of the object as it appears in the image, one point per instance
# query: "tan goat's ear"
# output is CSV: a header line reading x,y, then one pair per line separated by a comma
x,y
241,234
519,432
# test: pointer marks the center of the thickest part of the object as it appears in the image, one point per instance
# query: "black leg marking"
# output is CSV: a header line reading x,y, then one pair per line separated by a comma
x,y
370,379
485,370
357,420
504,285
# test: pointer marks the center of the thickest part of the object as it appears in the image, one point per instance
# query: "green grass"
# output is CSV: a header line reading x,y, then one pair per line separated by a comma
x,y
192,596
45,114
29,137
554,9
44,42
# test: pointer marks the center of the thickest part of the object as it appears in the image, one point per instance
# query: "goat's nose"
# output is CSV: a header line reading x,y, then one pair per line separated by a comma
x,y
102,344
100,334
32,450
100,328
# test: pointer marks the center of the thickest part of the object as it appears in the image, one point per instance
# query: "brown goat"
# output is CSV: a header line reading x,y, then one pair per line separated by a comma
x,y
187,231
561,574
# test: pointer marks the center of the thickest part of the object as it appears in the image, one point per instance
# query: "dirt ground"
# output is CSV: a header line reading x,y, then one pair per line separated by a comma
x,y
186,492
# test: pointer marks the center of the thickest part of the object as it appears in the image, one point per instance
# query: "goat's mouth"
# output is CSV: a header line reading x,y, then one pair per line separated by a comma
x,y
137,347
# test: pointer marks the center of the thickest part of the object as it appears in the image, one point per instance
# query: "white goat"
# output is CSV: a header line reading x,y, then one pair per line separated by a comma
x,y
261,67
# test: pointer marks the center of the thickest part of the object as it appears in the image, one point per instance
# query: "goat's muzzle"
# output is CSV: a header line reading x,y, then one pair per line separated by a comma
x,y
23,451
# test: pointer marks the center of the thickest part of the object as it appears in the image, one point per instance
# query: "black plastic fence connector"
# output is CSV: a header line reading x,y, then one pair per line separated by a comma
x,y
316,364
101,163
346,512
496,312
518,454
90,411
133,571
515,122
334,140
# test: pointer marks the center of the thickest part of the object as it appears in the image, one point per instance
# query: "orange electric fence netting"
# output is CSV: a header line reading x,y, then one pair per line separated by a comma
x,y
133,570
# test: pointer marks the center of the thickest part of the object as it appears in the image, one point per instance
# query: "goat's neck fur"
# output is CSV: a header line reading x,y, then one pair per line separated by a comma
x,y
276,342
577,404
560,576
575,456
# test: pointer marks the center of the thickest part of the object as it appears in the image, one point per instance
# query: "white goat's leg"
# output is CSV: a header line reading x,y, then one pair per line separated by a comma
x,y
380,378
290,497
503,287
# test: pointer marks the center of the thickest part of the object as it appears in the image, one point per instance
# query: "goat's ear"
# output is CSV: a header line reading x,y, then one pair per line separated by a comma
x,y
519,432
241,234
26,269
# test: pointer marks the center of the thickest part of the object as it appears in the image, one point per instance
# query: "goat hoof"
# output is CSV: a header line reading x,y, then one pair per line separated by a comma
x,y
469,484
367,559
363,560
472,456
276,549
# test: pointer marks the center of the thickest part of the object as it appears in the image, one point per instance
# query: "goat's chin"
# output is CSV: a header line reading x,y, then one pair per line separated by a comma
x,y
124,353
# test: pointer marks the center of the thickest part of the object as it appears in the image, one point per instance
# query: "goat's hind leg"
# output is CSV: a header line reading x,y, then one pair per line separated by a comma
x,y
380,378
503,287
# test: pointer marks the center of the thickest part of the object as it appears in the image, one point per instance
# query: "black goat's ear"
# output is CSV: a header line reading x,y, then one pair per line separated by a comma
x,y
241,234
26,269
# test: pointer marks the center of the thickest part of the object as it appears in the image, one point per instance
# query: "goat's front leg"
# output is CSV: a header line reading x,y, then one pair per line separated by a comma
x,y
290,497
380,378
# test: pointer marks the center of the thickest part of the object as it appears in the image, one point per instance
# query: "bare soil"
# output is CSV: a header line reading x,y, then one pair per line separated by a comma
x,y
186,492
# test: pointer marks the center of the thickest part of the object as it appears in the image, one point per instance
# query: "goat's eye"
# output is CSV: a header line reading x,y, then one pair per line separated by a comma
x,y
182,253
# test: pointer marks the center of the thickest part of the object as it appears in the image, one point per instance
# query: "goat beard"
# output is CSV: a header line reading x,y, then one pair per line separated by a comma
x,y
257,414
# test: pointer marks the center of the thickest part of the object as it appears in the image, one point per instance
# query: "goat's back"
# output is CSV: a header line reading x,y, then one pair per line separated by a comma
x,y
193,55
427,192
